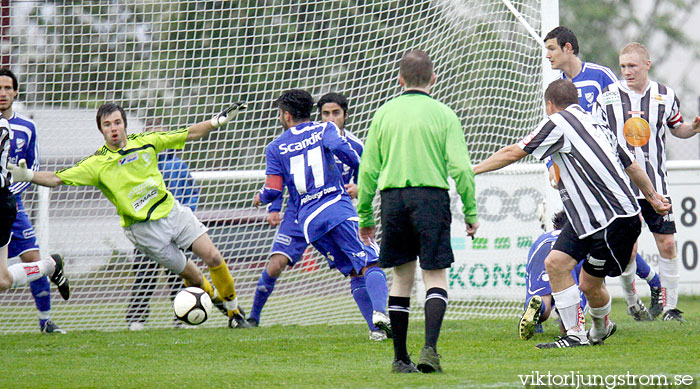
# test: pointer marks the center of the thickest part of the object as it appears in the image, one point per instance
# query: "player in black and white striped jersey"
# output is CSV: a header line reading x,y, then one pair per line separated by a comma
x,y
19,274
600,207
640,111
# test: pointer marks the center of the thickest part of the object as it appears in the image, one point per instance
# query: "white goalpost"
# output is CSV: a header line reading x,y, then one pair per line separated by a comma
x,y
171,63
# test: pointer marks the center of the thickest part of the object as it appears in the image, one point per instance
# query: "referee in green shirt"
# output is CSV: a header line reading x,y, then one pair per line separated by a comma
x,y
414,142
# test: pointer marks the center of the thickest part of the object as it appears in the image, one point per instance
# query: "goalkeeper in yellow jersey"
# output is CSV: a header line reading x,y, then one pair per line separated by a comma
x,y
125,169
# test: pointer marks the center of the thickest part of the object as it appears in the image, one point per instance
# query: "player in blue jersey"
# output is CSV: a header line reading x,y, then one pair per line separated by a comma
x,y
23,243
538,297
589,78
290,244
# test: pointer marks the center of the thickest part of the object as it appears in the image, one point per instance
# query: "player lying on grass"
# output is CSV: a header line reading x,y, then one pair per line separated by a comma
x,y
125,169
538,299
289,243
603,215
303,160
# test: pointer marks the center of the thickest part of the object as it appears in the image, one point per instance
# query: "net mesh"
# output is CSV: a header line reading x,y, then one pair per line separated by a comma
x,y
171,63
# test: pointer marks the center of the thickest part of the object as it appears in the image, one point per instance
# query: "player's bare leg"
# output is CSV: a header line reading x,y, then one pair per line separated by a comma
x,y
224,283
668,273
5,277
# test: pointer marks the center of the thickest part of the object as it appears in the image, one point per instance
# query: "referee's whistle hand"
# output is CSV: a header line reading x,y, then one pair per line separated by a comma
x,y
471,229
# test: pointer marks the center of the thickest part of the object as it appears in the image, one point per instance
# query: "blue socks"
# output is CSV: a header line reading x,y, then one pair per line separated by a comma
x,y
375,281
41,290
359,293
266,285
643,271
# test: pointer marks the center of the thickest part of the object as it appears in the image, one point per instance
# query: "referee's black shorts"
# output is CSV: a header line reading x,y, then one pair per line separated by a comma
x,y
8,212
608,251
416,223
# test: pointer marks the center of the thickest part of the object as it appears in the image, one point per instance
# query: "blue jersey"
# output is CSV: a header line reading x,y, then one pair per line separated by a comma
x,y
178,179
349,175
590,82
304,156
23,146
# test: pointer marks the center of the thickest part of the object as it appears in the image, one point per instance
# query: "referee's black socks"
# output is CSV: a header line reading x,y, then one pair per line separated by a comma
x,y
435,306
399,309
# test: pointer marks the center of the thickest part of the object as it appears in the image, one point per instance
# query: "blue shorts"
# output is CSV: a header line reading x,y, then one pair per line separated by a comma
x,y
23,236
538,283
289,241
344,250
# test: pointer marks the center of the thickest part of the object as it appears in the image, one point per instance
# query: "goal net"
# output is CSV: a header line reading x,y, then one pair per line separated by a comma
x,y
171,63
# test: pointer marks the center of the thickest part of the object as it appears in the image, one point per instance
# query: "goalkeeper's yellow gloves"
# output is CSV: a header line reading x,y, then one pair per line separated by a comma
x,y
226,115
19,172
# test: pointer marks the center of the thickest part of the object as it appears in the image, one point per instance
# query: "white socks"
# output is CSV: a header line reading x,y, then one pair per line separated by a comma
x,y
668,274
627,280
569,308
25,272
599,317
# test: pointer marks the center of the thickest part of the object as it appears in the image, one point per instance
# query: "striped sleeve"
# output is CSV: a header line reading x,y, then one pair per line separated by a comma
x,y
544,141
674,118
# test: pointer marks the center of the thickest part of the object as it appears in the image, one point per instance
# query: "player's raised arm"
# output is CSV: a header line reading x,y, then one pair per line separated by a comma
x,y
202,129
20,173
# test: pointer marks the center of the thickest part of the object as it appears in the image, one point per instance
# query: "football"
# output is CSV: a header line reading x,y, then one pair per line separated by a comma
x,y
192,305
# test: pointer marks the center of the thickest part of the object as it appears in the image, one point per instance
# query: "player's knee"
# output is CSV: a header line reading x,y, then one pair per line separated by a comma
x,y
276,265
585,287
211,256
5,282
667,248
556,264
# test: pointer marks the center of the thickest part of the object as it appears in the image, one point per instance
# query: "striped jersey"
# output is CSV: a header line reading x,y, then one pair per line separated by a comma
x,y
593,186
658,108
590,82
4,152
23,146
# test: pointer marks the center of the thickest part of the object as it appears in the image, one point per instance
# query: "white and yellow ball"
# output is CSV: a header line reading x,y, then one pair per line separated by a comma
x,y
192,305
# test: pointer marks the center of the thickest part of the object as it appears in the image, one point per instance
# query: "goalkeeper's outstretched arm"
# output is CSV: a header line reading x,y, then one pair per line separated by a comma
x,y
20,173
202,129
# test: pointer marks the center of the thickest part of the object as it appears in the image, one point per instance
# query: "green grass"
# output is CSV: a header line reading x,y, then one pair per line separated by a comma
x,y
475,352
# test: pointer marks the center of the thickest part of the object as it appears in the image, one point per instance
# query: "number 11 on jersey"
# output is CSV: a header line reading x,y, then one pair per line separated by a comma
x,y
298,169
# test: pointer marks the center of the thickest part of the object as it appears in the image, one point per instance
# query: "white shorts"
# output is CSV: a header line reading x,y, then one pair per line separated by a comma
x,y
162,239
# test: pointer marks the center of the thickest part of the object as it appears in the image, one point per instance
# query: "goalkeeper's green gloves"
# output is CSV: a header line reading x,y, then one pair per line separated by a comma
x,y
226,115
20,173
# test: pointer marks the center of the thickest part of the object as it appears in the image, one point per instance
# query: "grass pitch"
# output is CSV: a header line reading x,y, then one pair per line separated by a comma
x,y
475,353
